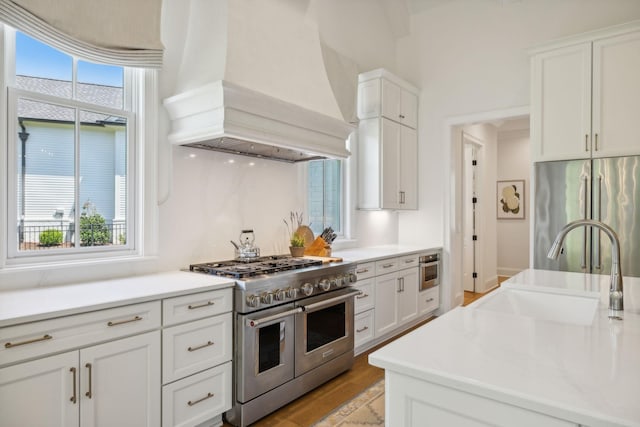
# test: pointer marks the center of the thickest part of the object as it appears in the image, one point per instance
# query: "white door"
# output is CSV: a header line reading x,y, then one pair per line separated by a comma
x,y
408,168
390,160
120,383
41,393
408,296
470,208
386,312
561,103
616,96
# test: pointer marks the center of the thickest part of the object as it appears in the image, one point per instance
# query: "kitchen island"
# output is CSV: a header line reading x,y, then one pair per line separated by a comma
x,y
541,350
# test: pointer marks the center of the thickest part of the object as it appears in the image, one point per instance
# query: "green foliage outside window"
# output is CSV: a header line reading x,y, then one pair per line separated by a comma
x,y
51,237
93,227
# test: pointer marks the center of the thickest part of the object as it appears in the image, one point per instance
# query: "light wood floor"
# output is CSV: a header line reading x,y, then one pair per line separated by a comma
x,y
316,404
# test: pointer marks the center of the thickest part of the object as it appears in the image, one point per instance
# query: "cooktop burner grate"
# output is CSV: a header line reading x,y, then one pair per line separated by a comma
x,y
262,265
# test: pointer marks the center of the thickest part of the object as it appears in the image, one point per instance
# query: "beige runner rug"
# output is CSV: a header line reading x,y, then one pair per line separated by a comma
x,y
366,409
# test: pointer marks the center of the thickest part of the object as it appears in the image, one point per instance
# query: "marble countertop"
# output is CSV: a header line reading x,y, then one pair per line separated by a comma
x,y
373,253
589,374
28,305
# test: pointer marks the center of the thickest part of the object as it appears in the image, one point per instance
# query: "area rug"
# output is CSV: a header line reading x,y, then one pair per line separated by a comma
x,y
366,409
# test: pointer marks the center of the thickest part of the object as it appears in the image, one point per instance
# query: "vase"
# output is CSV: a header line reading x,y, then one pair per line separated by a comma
x,y
296,251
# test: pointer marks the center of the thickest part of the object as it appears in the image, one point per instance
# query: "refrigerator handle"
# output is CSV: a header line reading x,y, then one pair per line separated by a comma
x,y
596,236
585,207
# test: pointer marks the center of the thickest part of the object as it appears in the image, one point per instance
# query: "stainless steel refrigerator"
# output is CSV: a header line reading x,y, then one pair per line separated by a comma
x,y
607,190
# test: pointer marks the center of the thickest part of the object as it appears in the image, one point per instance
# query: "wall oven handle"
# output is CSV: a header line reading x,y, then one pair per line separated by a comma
x,y
258,322
330,301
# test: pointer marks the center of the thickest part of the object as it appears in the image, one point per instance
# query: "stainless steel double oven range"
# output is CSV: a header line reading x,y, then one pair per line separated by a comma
x,y
293,329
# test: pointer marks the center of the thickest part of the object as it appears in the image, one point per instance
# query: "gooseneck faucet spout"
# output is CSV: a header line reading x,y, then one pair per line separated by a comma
x,y
615,289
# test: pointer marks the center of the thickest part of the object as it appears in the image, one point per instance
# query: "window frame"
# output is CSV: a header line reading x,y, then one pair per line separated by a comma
x,y
140,99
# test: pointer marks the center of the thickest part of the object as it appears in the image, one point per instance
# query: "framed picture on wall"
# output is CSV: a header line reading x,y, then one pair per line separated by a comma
x,y
510,198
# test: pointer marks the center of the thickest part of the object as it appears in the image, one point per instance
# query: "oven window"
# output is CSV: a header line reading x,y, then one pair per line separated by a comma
x,y
325,326
269,338
430,272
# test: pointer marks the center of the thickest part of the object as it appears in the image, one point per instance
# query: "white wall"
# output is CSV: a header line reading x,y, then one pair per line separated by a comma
x,y
514,154
470,57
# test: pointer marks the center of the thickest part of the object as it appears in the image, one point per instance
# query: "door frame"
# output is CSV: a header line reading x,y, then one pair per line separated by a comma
x,y
468,139
452,258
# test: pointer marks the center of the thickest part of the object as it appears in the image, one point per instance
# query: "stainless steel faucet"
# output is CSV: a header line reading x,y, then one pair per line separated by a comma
x,y
615,289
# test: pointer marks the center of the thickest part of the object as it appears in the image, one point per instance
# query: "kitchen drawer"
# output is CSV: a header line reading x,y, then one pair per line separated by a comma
x,y
22,342
428,300
365,300
408,261
385,266
195,346
196,306
363,328
197,398
366,270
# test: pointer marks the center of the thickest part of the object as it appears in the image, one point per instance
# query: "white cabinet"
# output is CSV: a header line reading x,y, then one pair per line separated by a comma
x,y
387,165
381,93
196,363
586,98
116,383
396,294
387,142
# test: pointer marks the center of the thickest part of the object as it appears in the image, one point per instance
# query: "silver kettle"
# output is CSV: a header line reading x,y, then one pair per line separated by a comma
x,y
246,249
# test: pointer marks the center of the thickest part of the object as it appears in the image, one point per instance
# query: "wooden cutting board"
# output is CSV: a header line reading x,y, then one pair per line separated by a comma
x,y
324,259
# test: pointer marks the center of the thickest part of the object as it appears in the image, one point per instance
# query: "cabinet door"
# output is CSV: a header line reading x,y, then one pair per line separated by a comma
x,y
408,296
408,169
120,382
365,300
390,159
561,103
409,109
40,393
616,96
386,311
391,100
369,99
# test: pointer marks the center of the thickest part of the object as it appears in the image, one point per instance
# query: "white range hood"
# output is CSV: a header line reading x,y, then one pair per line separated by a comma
x,y
257,83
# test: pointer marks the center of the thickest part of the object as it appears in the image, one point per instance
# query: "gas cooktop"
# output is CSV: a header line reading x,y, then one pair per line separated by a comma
x,y
240,269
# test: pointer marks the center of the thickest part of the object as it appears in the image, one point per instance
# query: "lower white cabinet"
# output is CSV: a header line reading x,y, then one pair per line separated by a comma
x,y
396,301
428,300
111,384
363,328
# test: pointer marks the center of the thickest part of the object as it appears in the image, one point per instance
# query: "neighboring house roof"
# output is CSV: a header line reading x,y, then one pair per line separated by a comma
x,y
108,96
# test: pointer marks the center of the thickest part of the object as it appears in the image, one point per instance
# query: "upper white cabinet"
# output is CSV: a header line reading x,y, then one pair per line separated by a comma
x,y
586,96
387,142
381,93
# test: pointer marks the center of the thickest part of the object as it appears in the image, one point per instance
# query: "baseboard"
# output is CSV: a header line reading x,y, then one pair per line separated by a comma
x,y
506,271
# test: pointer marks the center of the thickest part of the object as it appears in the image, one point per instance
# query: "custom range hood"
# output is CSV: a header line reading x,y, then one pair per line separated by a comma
x,y
253,81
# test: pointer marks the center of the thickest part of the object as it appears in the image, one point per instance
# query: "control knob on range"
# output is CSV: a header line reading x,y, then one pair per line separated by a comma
x,y
352,278
252,300
307,289
266,298
280,294
324,284
292,293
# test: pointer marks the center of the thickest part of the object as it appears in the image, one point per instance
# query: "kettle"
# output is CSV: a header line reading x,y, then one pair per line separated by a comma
x,y
246,249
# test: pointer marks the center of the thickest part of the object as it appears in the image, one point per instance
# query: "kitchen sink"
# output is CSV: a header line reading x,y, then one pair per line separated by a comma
x,y
561,308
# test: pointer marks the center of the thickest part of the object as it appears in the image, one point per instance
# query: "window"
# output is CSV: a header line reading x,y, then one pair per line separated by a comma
x,y
71,153
325,195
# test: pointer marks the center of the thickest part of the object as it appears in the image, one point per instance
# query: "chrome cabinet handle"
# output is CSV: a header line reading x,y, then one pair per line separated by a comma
x,y
409,261
17,344
364,270
206,304
429,300
362,330
122,322
586,142
387,266
88,393
74,397
208,396
361,295
596,141
209,343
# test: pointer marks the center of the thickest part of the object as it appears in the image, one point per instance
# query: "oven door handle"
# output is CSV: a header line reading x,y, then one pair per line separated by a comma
x,y
257,322
330,301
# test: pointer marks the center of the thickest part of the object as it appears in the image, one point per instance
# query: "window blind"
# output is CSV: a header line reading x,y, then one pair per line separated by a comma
x,y
118,32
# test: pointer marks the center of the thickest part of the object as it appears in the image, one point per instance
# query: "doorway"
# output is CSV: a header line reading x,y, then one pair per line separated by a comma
x,y
471,172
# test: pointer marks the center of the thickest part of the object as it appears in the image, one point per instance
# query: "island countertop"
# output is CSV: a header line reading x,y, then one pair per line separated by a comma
x,y
586,373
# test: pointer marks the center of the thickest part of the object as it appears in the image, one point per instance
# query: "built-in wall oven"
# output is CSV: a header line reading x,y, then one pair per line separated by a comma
x,y
430,266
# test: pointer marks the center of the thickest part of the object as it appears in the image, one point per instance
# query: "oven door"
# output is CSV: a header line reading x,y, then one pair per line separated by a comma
x,y
429,275
324,329
265,350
